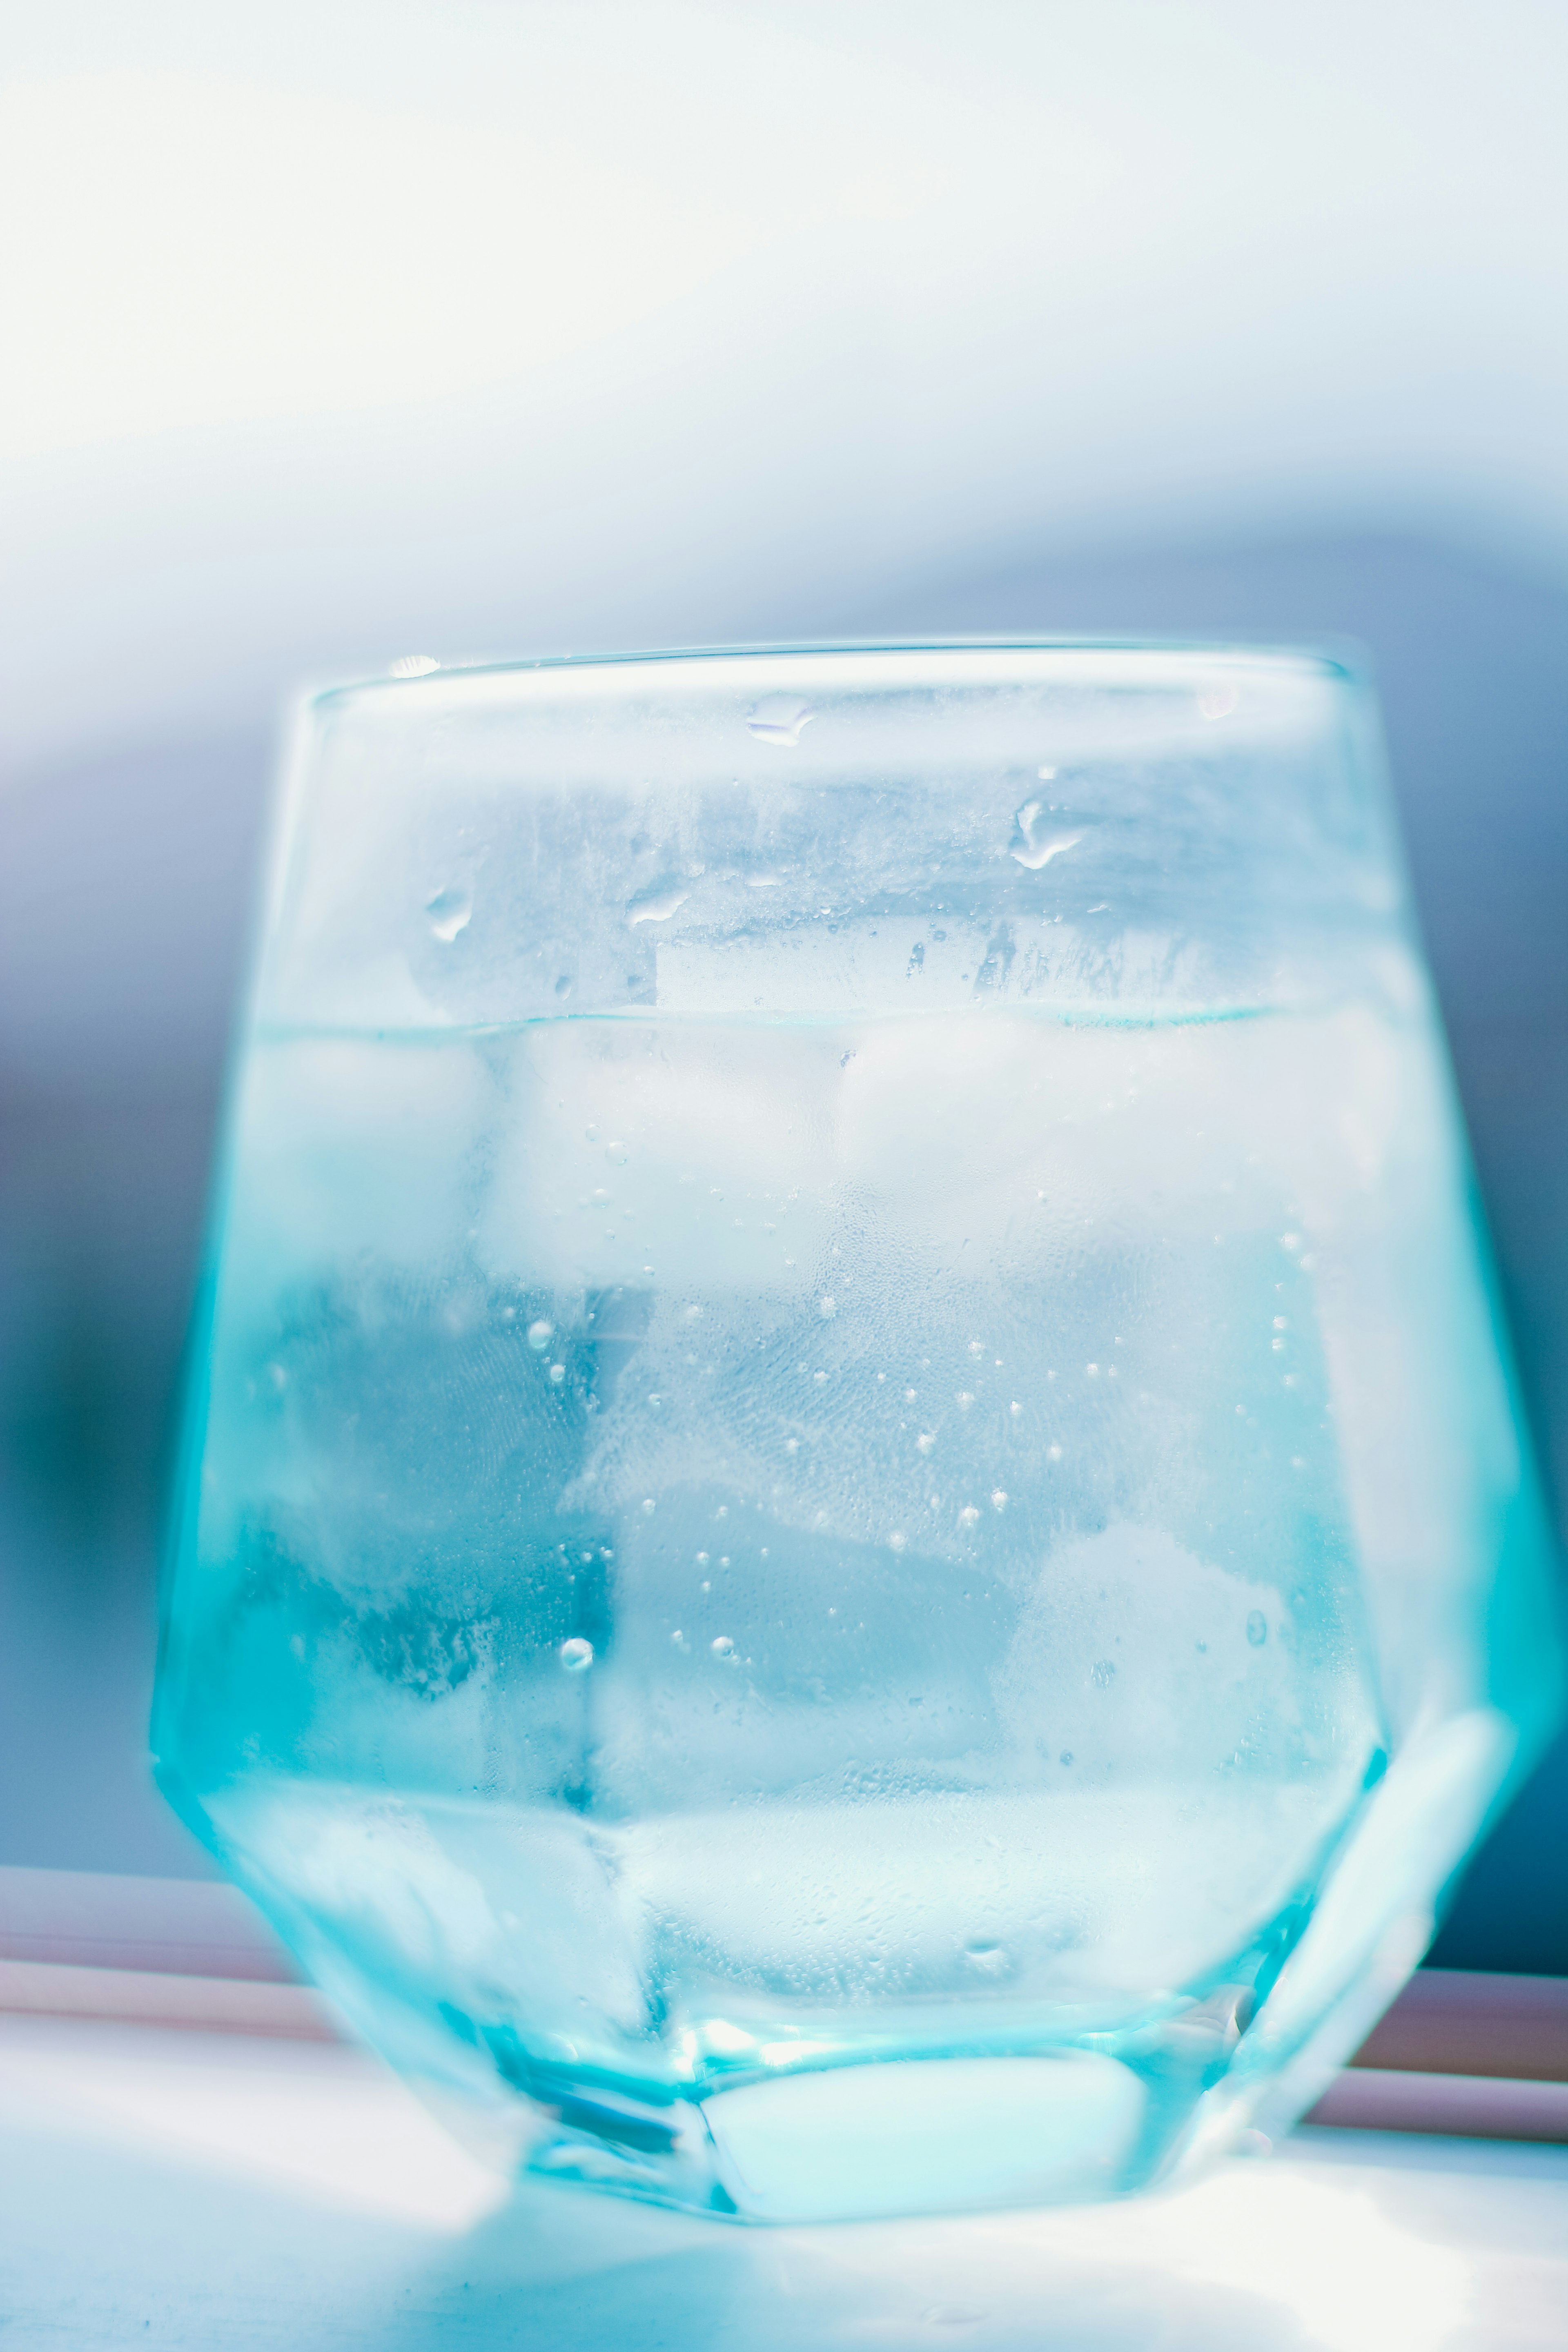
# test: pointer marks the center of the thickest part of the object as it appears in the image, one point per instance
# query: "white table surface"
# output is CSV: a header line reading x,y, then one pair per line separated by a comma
x,y
161,2188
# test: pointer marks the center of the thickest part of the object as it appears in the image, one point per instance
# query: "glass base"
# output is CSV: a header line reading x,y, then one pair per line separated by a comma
x,y
860,2143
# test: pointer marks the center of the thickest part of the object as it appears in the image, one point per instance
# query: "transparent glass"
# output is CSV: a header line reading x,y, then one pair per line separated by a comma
x,y
852,1532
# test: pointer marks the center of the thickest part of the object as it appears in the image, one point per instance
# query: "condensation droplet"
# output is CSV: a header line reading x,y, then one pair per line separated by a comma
x,y
826,1306
998,1498
657,904
897,1540
448,911
1039,840
721,1646
779,718
557,1375
650,1506
969,1516
576,1655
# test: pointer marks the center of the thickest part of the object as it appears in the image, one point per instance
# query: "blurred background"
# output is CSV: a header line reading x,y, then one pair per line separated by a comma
x,y
339,333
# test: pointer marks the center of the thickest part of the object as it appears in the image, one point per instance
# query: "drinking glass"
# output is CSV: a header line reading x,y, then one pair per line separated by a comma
x,y
852,1532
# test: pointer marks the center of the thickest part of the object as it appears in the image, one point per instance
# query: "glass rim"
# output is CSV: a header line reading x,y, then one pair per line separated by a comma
x,y
1344,658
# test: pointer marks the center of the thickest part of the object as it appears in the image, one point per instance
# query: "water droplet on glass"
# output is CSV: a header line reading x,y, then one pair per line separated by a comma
x,y
540,1335
448,911
679,1640
702,1559
998,1498
576,1655
721,1646
557,1375
657,904
616,1154
650,1506
1256,1629
990,1958
779,718
897,1540
969,1516
1040,838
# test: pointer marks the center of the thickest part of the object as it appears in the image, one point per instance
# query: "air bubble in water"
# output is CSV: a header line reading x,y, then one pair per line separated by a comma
x,y
779,718
557,1375
616,1154
448,911
1257,1629
576,1655
540,1335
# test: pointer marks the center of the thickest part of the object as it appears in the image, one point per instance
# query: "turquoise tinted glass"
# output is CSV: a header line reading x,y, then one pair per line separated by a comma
x,y
852,1534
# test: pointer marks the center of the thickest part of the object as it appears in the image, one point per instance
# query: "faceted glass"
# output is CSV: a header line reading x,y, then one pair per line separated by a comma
x,y
852,1530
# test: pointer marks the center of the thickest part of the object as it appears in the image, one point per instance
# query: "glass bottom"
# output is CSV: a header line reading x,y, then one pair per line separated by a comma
x,y
902,2137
